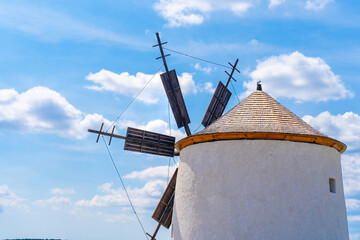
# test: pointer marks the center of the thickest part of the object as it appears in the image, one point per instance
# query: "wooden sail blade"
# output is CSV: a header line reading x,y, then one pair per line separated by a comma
x,y
138,140
217,104
173,92
164,210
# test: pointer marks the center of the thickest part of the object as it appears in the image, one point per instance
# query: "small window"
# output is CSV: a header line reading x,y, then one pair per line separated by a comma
x,y
332,185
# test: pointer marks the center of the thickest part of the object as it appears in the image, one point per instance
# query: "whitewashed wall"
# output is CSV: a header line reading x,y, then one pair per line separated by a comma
x,y
259,189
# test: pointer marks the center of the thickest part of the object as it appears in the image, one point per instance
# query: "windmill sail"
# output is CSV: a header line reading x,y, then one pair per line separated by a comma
x,y
173,92
217,104
138,140
164,210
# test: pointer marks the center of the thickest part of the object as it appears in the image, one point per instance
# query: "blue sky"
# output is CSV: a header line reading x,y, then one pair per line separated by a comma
x,y
67,66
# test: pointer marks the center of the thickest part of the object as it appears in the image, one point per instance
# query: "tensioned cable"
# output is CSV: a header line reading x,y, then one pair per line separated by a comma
x,y
168,176
204,60
117,119
174,161
235,91
123,185
198,127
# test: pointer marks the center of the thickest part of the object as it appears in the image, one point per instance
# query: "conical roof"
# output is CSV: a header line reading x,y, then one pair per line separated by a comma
x,y
259,116
260,113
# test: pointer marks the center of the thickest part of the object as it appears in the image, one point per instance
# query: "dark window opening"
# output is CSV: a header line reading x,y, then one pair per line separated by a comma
x,y
332,185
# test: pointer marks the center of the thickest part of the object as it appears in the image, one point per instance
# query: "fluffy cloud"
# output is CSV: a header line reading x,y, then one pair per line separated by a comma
x,y
147,196
130,85
111,218
203,69
144,197
152,173
56,202
62,191
345,128
187,12
274,3
351,173
316,4
207,87
355,236
41,109
352,204
299,77
354,218
9,199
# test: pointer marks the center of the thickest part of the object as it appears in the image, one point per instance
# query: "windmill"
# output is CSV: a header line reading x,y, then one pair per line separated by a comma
x,y
138,140
256,172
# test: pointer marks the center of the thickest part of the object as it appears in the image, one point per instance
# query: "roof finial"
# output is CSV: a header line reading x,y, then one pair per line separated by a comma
x,y
259,88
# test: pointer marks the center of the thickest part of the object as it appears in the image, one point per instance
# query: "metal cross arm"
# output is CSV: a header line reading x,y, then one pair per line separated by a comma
x,y
234,66
164,56
232,72
230,76
161,51
111,135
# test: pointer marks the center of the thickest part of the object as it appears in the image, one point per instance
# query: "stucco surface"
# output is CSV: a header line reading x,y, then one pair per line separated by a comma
x,y
259,189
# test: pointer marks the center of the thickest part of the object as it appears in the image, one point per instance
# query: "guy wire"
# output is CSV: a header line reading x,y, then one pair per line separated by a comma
x,y
123,185
204,60
235,91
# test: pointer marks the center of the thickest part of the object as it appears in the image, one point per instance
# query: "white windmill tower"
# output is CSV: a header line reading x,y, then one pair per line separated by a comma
x,y
259,172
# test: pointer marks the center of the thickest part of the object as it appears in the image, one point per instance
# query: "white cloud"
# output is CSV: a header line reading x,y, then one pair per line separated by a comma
x,y
62,191
274,3
316,4
240,8
51,25
299,77
152,173
352,204
354,218
147,196
9,199
355,236
182,12
111,218
56,202
351,174
197,66
187,12
144,197
41,109
130,85
345,128
207,87
254,42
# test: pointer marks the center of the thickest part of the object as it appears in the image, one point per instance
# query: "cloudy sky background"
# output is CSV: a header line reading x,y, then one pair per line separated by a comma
x,y
67,66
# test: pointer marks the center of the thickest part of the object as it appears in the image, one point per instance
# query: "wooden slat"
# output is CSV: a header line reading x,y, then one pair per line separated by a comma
x,y
164,209
175,97
217,104
149,142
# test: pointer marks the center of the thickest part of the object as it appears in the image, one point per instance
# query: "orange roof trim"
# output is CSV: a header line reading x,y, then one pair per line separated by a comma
x,y
194,139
